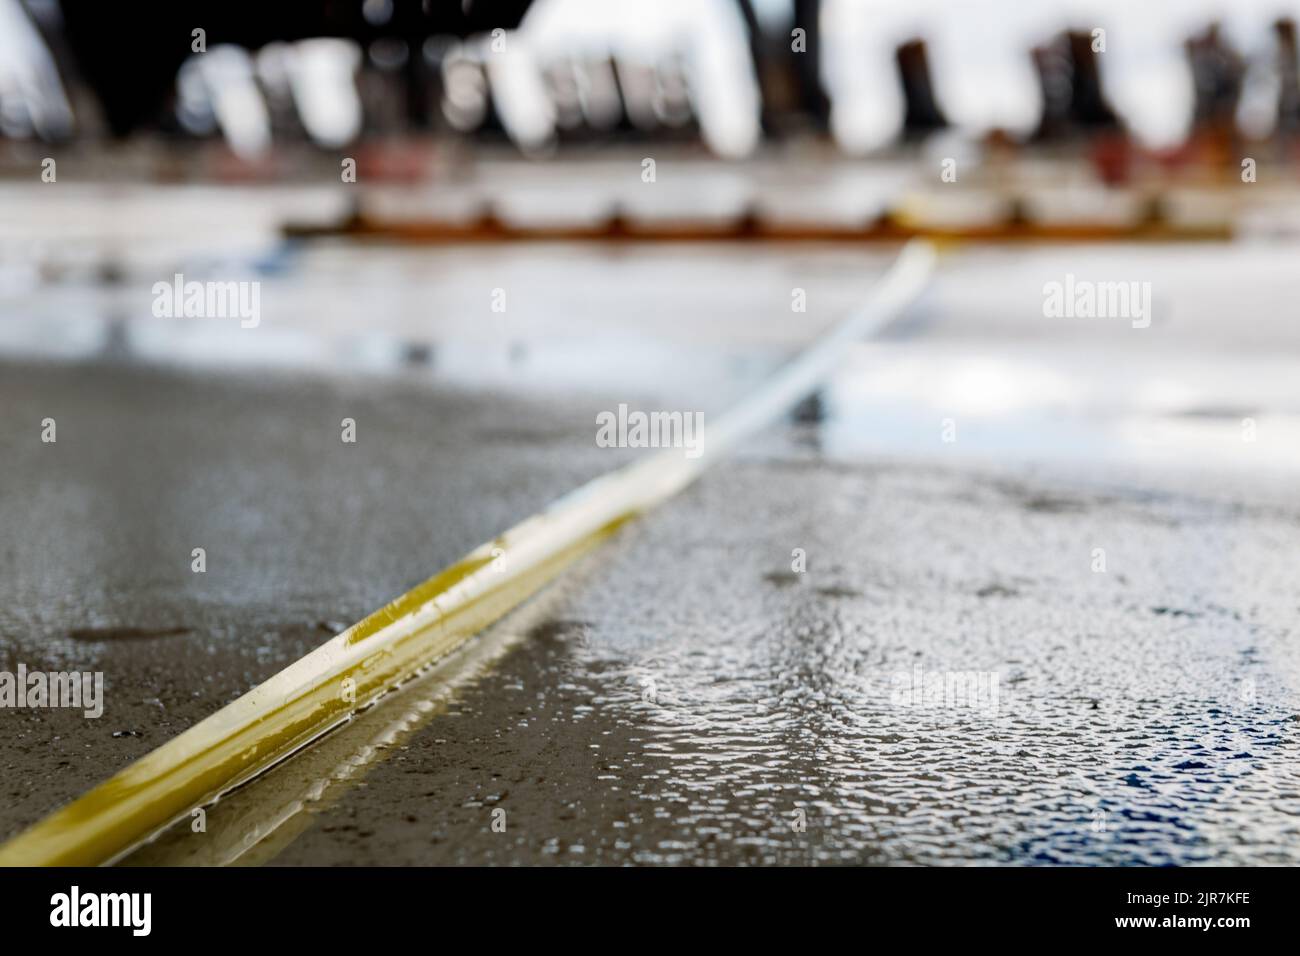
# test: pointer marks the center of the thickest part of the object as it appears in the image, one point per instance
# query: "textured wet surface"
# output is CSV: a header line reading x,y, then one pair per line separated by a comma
x,y
687,696
694,700
303,535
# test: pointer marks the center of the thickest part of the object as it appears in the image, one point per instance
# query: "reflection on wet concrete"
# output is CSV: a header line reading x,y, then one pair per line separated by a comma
x,y
698,701
1026,403
696,698
303,534
253,823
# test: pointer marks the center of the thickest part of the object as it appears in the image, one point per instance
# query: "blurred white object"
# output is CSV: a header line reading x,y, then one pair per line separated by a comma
x,y
221,89
1145,74
709,37
31,95
519,94
978,55
322,74
225,76
465,94
1249,26
983,76
859,72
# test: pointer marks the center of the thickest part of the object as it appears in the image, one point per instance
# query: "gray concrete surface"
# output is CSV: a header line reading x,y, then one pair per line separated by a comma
x,y
303,535
691,695
687,695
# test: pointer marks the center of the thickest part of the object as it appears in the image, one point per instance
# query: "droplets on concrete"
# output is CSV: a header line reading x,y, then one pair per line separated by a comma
x,y
1120,734
686,702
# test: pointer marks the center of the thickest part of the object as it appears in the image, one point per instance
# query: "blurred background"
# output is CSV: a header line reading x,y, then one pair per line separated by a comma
x,y
473,226
628,173
229,136
737,77
417,92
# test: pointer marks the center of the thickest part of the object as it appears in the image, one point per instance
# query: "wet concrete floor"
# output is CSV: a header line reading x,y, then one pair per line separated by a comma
x,y
695,700
840,647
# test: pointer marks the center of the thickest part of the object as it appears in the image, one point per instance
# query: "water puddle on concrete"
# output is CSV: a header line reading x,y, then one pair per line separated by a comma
x,y
1021,403
972,691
